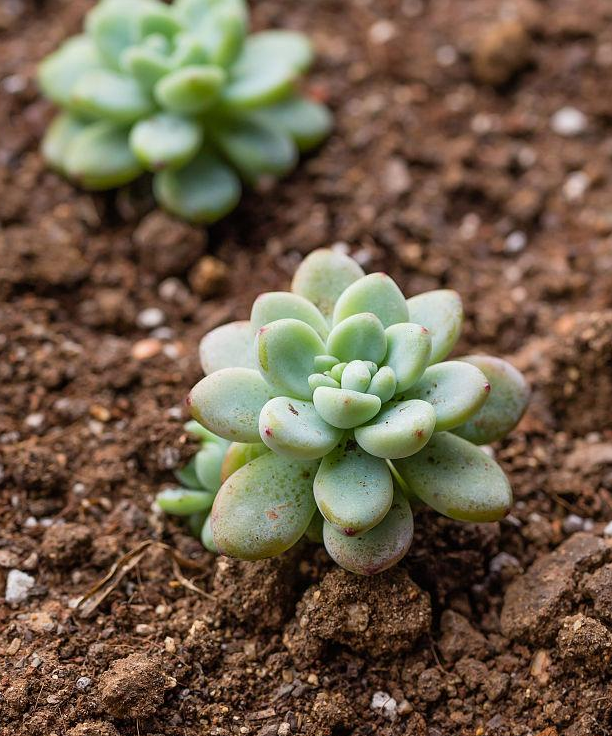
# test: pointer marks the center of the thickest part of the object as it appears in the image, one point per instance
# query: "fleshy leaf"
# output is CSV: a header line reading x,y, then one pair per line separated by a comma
x,y
60,71
283,304
376,293
207,466
264,83
356,376
359,337
183,501
458,479
207,536
187,477
188,51
264,508
158,18
195,12
314,533
276,46
399,430
203,191
58,137
337,371
323,275
409,351
505,406
239,454
294,429
377,549
325,363
201,433
100,157
228,403
307,122
195,522
255,149
383,384
222,34
285,351
343,408
166,140
228,346
320,379
190,90
146,65
456,391
353,490
114,26
441,311
102,93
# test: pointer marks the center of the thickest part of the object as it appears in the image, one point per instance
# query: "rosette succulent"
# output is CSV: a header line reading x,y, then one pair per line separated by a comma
x,y
182,91
341,389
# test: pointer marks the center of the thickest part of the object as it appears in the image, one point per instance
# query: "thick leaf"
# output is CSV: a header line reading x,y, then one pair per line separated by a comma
x,y
159,19
187,477
377,549
190,90
356,376
264,508
322,276
294,429
255,149
228,346
207,535
409,352
102,93
239,454
283,304
360,337
115,26
202,434
188,51
146,65
353,490
58,137
195,522
207,466
285,352
325,363
343,408
183,501
505,406
60,71
441,311
314,533
276,47
376,293
228,403
195,12
337,371
399,430
383,384
100,157
307,122
456,391
253,87
166,140
320,379
456,478
203,191
222,34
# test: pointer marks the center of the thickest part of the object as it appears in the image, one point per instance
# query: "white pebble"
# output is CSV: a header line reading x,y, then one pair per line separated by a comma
x,y
573,523
575,186
382,32
608,529
384,704
568,121
515,242
18,586
35,421
83,683
503,561
150,318
446,55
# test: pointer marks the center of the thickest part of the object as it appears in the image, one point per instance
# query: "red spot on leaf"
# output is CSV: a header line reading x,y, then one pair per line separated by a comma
x,y
268,431
272,515
487,387
350,532
189,400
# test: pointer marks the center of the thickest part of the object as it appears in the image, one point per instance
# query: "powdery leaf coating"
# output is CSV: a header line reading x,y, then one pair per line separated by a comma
x,y
376,293
400,430
323,275
456,390
505,406
383,384
359,337
283,304
377,549
353,490
294,429
285,352
409,352
264,508
228,346
229,401
456,478
344,408
441,312
356,376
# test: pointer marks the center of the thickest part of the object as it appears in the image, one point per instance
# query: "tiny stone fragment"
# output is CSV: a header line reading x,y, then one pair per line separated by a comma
x,y
18,586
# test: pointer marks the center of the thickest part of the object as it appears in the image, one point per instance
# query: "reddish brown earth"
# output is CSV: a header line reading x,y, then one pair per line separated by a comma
x,y
438,178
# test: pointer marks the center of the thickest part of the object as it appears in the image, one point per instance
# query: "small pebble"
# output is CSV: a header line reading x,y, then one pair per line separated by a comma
x,y
608,529
18,586
515,242
384,704
568,122
145,349
83,683
446,55
150,318
35,421
382,32
575,186
284,729
573,523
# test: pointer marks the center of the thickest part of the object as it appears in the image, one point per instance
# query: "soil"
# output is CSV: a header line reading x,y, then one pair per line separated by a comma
x,y
453,164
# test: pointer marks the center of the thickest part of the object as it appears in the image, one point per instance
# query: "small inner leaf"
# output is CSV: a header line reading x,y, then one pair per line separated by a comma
x,y
409,352
399,430
356,376
441,312
359,337
376,293
383,384
190,90
343,408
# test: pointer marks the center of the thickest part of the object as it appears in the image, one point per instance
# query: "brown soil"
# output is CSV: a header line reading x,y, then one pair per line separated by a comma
x,y
433,175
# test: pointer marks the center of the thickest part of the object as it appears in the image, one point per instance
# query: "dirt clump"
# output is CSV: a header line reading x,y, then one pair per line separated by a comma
x,y
502,50
66,545
585,642
93,728
166,245
133,687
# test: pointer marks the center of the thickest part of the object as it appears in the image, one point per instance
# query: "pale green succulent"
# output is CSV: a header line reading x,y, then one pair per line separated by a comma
x,y
182,91
341,388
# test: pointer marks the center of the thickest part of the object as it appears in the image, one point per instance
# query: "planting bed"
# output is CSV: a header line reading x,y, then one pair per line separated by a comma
x,y
431,175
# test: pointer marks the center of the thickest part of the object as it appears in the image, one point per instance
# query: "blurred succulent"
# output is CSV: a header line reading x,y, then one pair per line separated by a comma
x,y
342,387
182,91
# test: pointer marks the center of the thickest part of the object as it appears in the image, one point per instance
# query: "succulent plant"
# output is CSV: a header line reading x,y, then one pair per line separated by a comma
x,y
182,91
341,389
